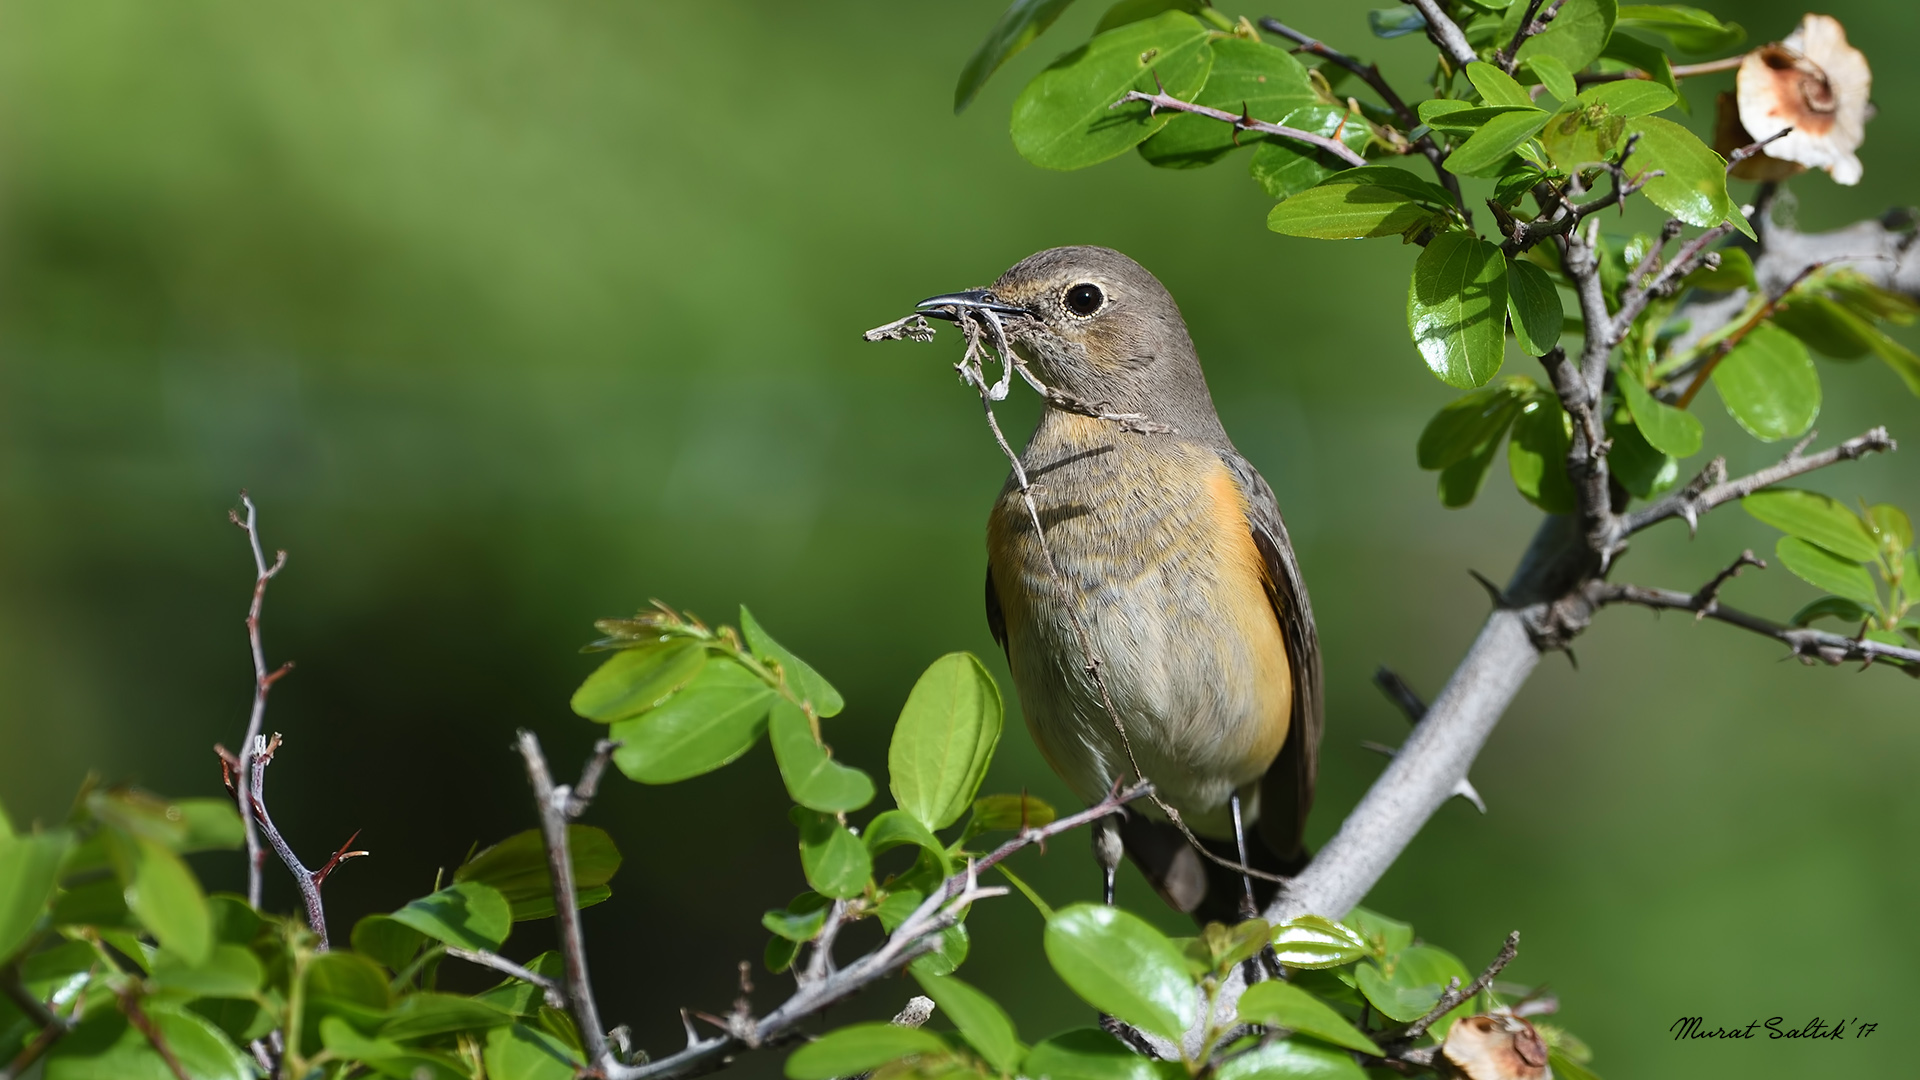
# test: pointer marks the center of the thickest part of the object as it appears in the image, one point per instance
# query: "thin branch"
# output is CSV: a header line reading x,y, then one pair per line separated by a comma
x,y
307,881
138,1017
52,1025
1808,644
1509,58
1635,297
1680,71
589,785
1455,994
553,803
1743,153
262,682
1446,34
1242,122
1567,215
1689,502
552,991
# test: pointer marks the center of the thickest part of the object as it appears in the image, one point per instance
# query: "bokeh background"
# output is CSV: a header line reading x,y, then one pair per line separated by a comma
x,y
512,316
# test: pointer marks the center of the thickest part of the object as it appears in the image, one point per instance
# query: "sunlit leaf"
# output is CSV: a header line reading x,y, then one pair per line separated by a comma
x,y
1286,167
1824,570
1693,186
387,940
1063,119
835,861
1121,965
801,919
1016,29
517,866
1890,523
1497,87
1817,519
423,1014
467,914
1291,1059
802,679
1486,151
105,1046
1627,97
1667,429
523,1052
1249,77
347,977
229,971
813,778
1311,941
895,828
713,720
1457,307
631,681
1769,385
944,740
1690,29
29,866
1644,55
1533,305
1537,455
1011,812
1574,37
981,1021
1382,936
860,1048
1553,73
1278,1004
163,894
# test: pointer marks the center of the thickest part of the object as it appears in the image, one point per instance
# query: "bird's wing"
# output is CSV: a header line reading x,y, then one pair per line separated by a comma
x,y
996,619
1286,794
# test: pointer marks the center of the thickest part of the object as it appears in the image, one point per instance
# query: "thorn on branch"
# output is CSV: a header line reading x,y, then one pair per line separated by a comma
x,y
1498,596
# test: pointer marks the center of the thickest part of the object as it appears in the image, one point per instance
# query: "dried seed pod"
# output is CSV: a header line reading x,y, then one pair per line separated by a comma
x,y
1496,1046
1812,82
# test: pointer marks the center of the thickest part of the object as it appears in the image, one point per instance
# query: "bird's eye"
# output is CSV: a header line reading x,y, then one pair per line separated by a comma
x,y
1085,298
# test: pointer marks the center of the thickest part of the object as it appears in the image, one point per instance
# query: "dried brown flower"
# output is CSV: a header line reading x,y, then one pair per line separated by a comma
x,y
1496,1046
1816,84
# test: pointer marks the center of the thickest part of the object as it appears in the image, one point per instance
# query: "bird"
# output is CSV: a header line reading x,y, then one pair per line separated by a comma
x,y
1178,565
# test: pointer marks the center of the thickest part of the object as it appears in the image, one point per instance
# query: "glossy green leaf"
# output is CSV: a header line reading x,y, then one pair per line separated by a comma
x,y
1344,211
1667,429
713,720
163,894
1627,97
813,778
1291,1059
1769,385
1253,77
523,1052
944,740
1465,424
467,914
1460,481
1553,73
949,952
229,971
106,1047
980,1020
896,828
802,679
1497,87
631,681
1537,455
1486,151
1574,37
1577,138
1132,11
1092,1054
835,861
350,978
1009,812
1283,1005
1817,519
29,866
1393,178
860,1048
517,866
1824,570
1383,936
1394,999
1694,185
1457,307
801,919
1533,306
1017,28
1064,120
1121,965
1690,29
1641,469
1311,942
1452,116
1831,607
1284,168
1229,945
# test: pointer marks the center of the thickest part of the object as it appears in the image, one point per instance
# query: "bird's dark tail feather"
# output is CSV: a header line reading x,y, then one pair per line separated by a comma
x,y
1199,886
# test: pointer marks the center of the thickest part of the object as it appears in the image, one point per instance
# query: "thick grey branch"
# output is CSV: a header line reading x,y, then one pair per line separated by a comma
x,y
1446,33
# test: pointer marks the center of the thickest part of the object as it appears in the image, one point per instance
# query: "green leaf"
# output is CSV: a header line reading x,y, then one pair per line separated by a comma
x,y
1397,21
1690,29
387,940
1017,29
1486,151
468,914
1457,307
163,894
1553,73
1312,942
813,778
1428,968
1694,187
948,954
860,1048
635,680
1132,11
1667,429
1464,425
1578,138
835,861
1830,607
1734,272
1121,965
1769,385
982,1022
1646,56
1890,525
104,1046
1537,455
1824,570
1284,167
1397,179
802,679
1497,87
714,720
944,739
230,971
1383,936
1092,1054
1460,481
522,1052
802,918
1533,305
29,867
1574,37
211,825
1009,812
1247,76
1627,97
424,1014
1063,119
517,867
1292,1059
1816,519
349,978
895,828
1640,468
1278,1004
1341,211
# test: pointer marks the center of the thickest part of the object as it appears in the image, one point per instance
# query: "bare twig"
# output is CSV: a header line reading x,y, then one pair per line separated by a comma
x,y
1242,122
1808,644
1566,215
1446,33
1635,297
1689,502
1509,58
262,683
307,881
553,804
1455,994
130,1005
1680,71
1743,153
552,991
589,785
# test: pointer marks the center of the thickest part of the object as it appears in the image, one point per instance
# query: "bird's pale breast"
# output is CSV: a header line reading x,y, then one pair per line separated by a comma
x,y
1151,535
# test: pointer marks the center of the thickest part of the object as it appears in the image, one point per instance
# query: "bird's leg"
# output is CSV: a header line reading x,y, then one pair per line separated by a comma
x,y
1248,909
1108,850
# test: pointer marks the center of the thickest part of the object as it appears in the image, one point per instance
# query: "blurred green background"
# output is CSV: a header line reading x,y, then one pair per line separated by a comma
x,y
515,315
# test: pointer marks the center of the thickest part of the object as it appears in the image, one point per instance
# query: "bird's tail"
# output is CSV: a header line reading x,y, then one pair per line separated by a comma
x,y
1196,885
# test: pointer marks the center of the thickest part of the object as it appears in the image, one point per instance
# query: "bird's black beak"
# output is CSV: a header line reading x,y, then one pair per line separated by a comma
x,y
948,306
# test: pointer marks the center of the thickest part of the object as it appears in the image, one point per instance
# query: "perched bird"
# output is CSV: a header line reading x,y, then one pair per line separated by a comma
x,y
1173,550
